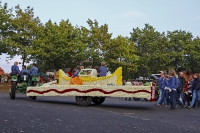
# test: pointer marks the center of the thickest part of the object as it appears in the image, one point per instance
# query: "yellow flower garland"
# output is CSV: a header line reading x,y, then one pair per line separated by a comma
x,y
117,73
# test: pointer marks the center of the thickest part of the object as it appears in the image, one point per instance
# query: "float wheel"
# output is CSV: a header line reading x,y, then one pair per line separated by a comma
x,y
136,99
83,100
98,100
33,97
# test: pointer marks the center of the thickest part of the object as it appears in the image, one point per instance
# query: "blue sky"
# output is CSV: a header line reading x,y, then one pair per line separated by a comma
x,y
121,16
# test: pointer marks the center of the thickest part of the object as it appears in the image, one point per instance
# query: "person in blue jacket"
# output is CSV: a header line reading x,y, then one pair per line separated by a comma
x,y
77,71
15,69
24,71
161,86
102,70
165,94
172,88
33,71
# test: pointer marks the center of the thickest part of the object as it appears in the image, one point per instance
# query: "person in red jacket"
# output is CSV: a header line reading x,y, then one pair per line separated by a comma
x,y
71,72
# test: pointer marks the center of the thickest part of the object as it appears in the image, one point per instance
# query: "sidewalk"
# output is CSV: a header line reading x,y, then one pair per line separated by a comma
x,y
4,87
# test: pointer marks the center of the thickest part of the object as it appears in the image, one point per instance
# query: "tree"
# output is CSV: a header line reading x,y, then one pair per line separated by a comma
x,y
5,17
147,42
97,38
58,46
24,29
192,56
178,42
121,53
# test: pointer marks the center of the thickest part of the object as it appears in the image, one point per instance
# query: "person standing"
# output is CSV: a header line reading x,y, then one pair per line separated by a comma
x,y
24,71
102,70
182,86
34,70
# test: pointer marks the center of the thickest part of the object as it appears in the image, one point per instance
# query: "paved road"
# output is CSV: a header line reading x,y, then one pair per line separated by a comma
x,y
115,115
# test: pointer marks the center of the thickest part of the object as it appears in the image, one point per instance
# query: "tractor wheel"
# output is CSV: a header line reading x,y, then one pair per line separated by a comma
x,y
13,90
98,100
83,100
33,97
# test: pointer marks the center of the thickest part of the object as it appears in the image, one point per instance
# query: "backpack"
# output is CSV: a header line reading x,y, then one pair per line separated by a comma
x,y
178,85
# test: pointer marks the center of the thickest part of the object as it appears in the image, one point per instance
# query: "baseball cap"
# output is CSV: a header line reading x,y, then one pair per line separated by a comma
x,y
161,72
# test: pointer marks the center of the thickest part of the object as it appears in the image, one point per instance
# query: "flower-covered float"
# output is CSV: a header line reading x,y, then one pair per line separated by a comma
x,y
89,88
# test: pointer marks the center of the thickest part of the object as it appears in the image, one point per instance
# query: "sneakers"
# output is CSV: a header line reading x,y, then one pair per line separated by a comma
x,y
166,106
182,106
158,105
189,107
172,109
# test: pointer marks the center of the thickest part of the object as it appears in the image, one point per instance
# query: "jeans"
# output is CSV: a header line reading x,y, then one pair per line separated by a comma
x,y
160,97
182,94
177,96
165,97
195,94
188,98
173,98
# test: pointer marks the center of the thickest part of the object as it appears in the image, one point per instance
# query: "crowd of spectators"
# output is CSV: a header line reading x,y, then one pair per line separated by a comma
x,y
177,90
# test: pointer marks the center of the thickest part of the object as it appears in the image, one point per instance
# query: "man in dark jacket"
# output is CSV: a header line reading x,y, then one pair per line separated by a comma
x,y
182,84
195,89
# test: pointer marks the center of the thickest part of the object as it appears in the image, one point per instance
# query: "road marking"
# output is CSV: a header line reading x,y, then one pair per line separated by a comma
x,y
128,113
124,114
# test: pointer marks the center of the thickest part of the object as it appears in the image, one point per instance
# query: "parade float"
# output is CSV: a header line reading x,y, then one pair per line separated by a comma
x,y
88,88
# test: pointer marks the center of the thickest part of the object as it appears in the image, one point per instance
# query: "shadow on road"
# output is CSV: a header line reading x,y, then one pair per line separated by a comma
x,y
122,106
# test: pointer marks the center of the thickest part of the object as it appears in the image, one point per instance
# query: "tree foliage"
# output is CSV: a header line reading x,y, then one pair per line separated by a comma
x,y
121,52
98,38
5,25
59,46
62,45
24,31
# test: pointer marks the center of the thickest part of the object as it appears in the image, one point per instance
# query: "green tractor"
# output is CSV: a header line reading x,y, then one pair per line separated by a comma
x,y
20,85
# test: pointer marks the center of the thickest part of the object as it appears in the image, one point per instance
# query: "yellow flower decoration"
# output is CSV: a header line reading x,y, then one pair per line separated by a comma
x,y
115,78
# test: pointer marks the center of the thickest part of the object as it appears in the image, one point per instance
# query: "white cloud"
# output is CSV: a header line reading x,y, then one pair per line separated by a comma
x,y
197,17
134,14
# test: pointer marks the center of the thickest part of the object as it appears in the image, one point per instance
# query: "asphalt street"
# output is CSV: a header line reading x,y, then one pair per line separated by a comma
x,y
115,115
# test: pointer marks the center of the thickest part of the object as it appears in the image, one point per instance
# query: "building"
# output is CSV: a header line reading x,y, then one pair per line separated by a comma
x,y
1,71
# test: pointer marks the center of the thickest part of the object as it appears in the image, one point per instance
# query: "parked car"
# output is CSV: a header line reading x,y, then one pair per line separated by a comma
x,y
154,76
